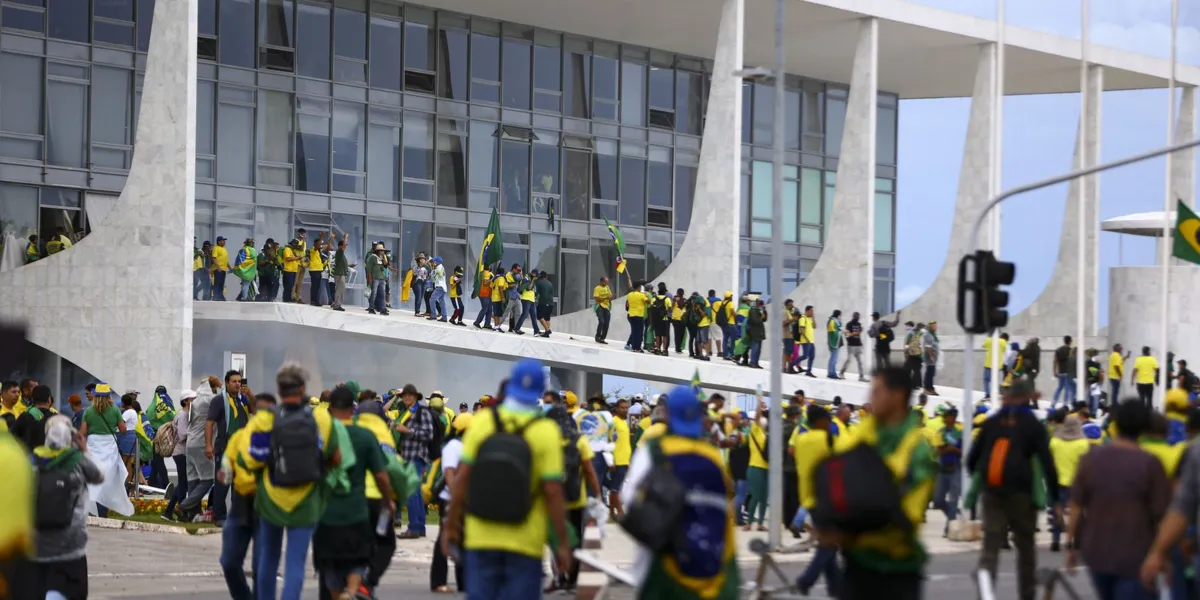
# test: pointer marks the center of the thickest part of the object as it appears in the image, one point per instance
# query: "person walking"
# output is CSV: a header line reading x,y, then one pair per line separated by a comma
x,y
912,353
1145,376
1064,372
202,272
543,291
241,523
455,293
341,270
635,308
415,425
512,299
377,276
854,347
179,454
200,469
602,295
220,265
528,301
451,455
948,446
833,338
484,319
1116,373
883,332
756,332
931,354
420,279
437,300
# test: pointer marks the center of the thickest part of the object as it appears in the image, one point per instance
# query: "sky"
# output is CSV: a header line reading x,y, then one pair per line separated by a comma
x,y
1039,138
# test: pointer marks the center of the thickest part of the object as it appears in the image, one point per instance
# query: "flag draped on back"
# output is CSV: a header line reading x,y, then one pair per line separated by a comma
x,y
490,252
1187,234
618,243
161,410
696,386
245,266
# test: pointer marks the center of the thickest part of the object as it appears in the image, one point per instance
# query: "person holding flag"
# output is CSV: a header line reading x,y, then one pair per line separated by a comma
x,y
159,412
246,269
491,252
619,244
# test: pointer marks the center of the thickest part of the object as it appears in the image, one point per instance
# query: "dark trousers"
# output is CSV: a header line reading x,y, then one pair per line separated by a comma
x,y
603,316
485,312
883,357
791,496
912,364
1114,398
314,288
1000,514
219,492
693,339
930,373
218,292
158,472
578,518
637,333
181,483
680,330
824,562
439,571
385,547
861,583
289,284
1145,393
457,303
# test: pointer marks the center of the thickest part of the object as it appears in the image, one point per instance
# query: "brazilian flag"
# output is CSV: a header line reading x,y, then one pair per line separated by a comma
x,y
1187,234
618,243
490,252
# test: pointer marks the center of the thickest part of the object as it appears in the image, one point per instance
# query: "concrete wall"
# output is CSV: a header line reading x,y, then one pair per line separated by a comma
x,y
126,315
1135,310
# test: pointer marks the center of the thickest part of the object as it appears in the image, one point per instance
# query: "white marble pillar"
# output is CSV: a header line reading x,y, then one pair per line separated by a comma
x,y
843,277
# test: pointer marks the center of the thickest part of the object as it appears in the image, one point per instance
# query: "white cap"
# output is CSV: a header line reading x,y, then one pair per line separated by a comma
x,y
187,394
639,398
636,409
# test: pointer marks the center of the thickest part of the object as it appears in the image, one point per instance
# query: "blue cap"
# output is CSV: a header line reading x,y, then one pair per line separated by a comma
x,y
437,259
685,412
527,382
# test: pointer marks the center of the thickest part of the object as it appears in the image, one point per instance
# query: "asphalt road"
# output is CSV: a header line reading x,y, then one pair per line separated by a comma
x,y
136,565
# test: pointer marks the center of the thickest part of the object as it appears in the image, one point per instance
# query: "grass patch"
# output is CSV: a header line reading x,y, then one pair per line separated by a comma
x,y
157,520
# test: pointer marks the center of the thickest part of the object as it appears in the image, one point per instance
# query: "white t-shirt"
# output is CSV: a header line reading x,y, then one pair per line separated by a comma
x,y
130,417
451,453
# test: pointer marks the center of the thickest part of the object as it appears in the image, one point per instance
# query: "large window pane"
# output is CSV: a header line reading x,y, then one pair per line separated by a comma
x,y
516,74
145,16
274,223
25,20
810,196
685,188
235,144
21,94
577,177
275,23
604,170
383,162
18,212
514,177
884,223
452,171
207,17
605,77
385,54
418,146
835,120
349,146
885,136
658,256
747,111
547,68
120,10
236,45
355,244
577,86
791,126
275,127
764,114
660,177
574,290
543,255
791,201
312,58
689,90
485,171
349,33
110,105
633,191
452,81
602,263
662,88
418,47
545,167
633,94
416,237
66,117
205,105
485,67
760,198
68,20
312,153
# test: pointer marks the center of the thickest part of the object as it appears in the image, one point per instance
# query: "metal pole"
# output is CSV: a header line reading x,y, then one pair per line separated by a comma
x,y
1168,226
993,390
775,355
1085,160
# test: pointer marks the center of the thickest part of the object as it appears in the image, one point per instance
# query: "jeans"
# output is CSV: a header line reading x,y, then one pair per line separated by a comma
x,y
528,311
801,516
314,288
201,285
729,337
485,312
809,352
218,292
946,492
1057,521
987,382
289,282
637,332
600,466
755,351
379,295
415,503
824,562
740,490
244,294
418,292
219,492
1117,587
930,373
1066,387
437,304
236,535
339,291
270,538
496,575
831,368
181,483
1115,397
603,316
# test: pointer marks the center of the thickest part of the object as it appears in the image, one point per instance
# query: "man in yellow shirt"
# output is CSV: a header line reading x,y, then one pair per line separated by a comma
x,y
756,474
504,549
808,348
1116,372
988,356
11,406
622,451
220,265
1145,375
602,295
635,308
291,267
201,273
499,281
810,449
316,266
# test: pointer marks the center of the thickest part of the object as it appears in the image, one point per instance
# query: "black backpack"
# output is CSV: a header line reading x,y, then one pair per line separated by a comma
x,y
501,481
722,315
572,470
439,434
57,492
296,456
655,516
856,492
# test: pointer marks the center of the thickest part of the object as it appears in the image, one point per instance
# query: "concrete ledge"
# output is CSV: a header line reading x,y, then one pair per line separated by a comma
x,y
148,527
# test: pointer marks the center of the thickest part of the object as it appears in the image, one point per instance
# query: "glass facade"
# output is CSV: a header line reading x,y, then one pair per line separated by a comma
x,y
406,125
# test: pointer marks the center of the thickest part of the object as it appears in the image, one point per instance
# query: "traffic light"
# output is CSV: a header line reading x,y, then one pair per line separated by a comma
x,y
982,305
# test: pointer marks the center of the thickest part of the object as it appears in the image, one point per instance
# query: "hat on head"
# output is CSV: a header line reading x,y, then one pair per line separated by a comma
x,y
187,394
728,294
685,412
220,238
411,389
102,389
875,315
437,259
639,398
462,407
571,399
527,382
1071,429
437,402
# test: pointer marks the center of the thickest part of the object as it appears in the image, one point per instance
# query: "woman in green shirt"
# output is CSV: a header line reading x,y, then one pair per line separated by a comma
x,y
101,424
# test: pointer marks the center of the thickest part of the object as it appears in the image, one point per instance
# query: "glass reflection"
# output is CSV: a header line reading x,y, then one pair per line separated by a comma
x,y
418,146
452,171
685,189
452,81
312,153
633,191
236,46
484,168
577,178
312,58
516,74
514,174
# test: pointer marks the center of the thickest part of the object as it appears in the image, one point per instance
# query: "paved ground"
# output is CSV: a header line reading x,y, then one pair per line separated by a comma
x,y
139,565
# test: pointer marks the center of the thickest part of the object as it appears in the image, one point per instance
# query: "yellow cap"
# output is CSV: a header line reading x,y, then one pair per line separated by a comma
x,y
461,422
1177,399
728,294
571,399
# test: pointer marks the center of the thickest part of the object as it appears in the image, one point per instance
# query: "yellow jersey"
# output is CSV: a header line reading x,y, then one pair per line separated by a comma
x,y
637,304
622,446
987,352
1116,366
1145,369
220,258
602,294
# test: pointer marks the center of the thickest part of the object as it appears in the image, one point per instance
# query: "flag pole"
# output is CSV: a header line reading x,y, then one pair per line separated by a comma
x,y
1085,161
993,390
775,351
1168,225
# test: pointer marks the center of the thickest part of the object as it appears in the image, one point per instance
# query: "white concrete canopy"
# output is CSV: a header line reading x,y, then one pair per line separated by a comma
x,y
1147,224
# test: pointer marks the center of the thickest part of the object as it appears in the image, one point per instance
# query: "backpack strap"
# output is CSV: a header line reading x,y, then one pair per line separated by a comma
x,y
497,420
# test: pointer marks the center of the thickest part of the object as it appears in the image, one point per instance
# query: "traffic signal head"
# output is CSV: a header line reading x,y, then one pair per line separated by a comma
x,y
982,305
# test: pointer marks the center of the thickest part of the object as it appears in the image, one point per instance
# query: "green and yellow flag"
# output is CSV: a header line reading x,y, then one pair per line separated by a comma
x,y
1187,234
618,242
490,252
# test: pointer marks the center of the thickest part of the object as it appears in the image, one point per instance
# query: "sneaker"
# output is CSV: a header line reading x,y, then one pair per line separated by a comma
x,y
410,535
166,517
519,332
478,326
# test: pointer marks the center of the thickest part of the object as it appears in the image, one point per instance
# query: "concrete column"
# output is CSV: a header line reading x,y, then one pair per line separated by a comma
x,y
843,276
1183,172
1053,313
938,303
